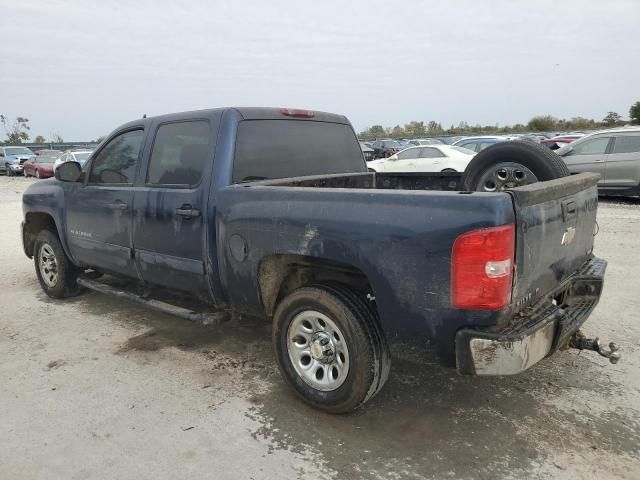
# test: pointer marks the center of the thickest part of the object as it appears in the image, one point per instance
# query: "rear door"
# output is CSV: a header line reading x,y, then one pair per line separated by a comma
x,y
623,163
170,206
589,155
431,160
98,213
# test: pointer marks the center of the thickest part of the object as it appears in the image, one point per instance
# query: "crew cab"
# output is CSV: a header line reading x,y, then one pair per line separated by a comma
x,y
273,213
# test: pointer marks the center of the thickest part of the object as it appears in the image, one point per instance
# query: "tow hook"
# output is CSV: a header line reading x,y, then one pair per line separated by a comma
x,y
579,341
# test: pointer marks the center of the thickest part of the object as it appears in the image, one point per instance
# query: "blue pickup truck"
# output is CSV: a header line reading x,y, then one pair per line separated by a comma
x,y
272,212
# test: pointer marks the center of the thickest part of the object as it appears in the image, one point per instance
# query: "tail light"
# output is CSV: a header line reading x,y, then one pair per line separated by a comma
x,y
296,112
482,268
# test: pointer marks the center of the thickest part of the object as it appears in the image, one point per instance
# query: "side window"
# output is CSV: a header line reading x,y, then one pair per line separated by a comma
x,y
430,152
627,144
409,153
116,162
596,146
470,146
482,146
179,154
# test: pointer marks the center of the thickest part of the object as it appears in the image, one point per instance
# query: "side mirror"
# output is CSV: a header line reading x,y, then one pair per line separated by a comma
x,y
68,172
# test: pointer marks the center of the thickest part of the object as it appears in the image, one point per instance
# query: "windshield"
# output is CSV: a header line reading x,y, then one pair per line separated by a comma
x,y
268,149
82,157
466,151
17,151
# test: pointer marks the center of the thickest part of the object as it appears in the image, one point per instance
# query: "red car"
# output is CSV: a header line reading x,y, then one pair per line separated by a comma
x,y
39,167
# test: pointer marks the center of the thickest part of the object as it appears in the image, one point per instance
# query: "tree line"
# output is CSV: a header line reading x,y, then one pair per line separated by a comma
x,y
17,130
540,123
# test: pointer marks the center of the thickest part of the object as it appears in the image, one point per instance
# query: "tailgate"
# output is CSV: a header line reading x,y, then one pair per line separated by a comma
x,y
555,225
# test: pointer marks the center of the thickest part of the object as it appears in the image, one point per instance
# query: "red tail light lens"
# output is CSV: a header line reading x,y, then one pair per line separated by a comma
x,y
296,112
482,268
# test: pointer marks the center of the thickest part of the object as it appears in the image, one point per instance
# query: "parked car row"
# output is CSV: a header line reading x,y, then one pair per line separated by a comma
x,y
41,164
614,154
431,158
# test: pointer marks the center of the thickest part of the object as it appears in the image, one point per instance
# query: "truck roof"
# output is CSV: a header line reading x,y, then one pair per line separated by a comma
x,y
247,113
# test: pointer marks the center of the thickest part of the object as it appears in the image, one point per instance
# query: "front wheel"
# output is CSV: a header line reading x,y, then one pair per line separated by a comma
x,y
8,170
56,274
329,347
37,173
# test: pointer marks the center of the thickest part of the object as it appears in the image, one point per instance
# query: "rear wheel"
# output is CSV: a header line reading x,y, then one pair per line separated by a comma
x,y
329,347
56,274
512,164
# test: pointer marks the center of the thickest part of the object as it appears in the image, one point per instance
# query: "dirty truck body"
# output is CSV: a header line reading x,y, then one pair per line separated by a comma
x,y
283,202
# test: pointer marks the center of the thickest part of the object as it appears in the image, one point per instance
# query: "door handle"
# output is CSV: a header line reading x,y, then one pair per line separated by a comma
x,y
118,205
187,211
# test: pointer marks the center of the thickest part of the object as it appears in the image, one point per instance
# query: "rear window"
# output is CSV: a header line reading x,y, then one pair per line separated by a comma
x,y
627,144
267,149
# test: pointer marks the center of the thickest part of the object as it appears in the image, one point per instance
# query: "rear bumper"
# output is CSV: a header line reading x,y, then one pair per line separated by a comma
x,y
544,329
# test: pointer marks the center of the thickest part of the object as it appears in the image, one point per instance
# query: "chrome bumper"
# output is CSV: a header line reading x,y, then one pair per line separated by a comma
x,y
527,341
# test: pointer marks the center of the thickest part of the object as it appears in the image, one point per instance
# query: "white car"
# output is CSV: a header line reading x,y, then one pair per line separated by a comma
x,y
80,156
431,158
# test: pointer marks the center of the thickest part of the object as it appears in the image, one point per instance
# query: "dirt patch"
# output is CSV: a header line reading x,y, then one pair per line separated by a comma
x,y
55,364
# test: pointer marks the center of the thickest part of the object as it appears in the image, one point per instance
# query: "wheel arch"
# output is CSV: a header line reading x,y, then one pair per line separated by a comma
x,y
34,223
280,274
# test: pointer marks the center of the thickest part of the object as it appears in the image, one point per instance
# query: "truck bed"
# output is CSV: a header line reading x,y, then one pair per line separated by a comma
x,y
400,239
373,180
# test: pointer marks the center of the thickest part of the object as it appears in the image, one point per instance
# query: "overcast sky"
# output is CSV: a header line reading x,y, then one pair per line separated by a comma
x,y
80,68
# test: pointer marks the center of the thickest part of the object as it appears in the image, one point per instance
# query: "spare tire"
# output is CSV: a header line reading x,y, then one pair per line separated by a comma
x,y
512,164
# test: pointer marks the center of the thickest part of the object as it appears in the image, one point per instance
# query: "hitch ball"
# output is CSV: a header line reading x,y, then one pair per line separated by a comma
x,y
579,341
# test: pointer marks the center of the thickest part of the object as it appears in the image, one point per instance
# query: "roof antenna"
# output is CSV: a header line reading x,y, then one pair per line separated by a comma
x,y
144,116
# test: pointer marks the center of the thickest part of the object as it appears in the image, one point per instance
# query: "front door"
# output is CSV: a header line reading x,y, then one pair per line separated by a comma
x,y
98,212
170,208
589,156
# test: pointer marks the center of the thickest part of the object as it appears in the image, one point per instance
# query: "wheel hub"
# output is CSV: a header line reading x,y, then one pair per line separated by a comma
x,y
504,176
318,350
322,348
48,265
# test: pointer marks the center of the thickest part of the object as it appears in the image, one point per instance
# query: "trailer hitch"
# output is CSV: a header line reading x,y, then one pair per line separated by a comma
x,y
579,341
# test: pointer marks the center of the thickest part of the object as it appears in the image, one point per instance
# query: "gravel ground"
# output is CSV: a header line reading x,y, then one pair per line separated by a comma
x,y
95,388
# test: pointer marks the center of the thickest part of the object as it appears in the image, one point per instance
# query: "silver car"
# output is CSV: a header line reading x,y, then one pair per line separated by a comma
x,y
614,154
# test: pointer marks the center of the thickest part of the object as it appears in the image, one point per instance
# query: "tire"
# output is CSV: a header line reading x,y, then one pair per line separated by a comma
x,y
37,173
365,360
8,171
64,285
511,164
